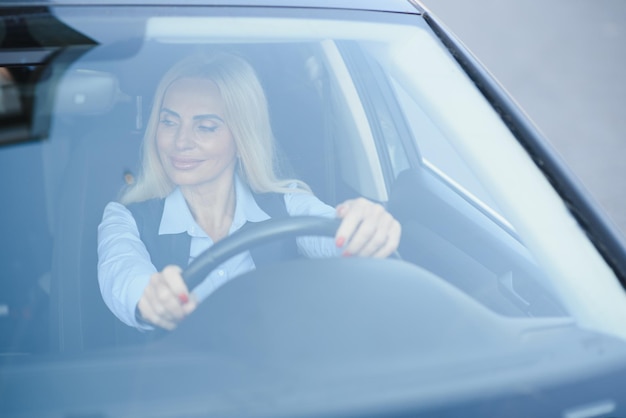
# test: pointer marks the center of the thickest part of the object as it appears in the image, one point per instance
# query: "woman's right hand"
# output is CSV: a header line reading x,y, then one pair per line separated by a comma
x,y
166,300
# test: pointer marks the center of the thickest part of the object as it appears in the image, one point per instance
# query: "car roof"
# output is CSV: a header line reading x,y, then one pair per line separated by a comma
x,y
398,6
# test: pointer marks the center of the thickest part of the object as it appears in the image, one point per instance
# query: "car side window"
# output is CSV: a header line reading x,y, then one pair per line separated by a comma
x,y
437,153
384,115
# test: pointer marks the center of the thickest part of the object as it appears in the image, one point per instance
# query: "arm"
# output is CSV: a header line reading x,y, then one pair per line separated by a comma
x,y
366,229
130,283
124,266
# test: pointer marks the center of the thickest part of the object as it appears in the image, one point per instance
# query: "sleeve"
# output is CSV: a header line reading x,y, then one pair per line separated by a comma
x,y
124,266
301,204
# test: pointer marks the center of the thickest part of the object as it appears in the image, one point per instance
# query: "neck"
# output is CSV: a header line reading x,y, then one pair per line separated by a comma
x,y
213,207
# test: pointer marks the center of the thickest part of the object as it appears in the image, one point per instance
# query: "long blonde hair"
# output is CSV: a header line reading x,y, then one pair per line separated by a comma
x,y
247,115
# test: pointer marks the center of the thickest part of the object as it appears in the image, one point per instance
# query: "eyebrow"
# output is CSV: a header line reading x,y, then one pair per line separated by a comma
x,y
197,117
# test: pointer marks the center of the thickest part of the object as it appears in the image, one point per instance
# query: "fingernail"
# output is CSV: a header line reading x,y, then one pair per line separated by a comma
x,y
346,254
183,298
340,241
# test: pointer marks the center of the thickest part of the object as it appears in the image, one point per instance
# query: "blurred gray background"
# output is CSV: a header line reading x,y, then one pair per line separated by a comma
x,y
564,62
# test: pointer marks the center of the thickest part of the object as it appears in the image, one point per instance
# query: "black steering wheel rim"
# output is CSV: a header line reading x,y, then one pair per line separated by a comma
x,y
257,234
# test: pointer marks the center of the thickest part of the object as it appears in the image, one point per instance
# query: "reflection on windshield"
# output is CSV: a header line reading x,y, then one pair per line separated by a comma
x,y
31,37
125,160
9,96
338,125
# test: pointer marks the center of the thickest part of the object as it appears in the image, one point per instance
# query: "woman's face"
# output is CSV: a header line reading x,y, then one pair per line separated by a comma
x,y
194,143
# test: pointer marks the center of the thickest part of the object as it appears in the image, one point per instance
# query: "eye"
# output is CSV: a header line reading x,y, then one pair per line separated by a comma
x,y
167,122
207,128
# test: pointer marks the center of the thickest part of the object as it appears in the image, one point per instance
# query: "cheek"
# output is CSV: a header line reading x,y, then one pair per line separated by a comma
x,y
232,153
161,140
231,144
159,147
231,149
223,146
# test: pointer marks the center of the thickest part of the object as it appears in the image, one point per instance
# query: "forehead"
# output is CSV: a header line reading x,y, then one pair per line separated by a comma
x,y
189,93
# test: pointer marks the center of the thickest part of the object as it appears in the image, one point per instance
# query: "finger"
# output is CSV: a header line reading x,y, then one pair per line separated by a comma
x,y
167,287
160,296
371,231
191,304
393,240
351,214
386,236
174,278
153,304
164,320
151,316
379,237
365,233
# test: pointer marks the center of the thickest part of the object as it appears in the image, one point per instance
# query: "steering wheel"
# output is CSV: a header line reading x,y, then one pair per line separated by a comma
x,y
257,234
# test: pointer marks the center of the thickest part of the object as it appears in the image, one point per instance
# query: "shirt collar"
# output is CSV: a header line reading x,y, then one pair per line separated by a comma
x,y
177,217
246,208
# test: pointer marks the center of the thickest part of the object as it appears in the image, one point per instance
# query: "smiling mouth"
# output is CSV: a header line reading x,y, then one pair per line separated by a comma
x,y
184,163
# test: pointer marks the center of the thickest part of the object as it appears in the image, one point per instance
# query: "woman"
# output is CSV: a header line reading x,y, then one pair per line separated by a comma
x,y
207,151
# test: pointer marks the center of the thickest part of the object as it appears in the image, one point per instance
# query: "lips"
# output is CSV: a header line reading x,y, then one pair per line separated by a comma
x,y
185,164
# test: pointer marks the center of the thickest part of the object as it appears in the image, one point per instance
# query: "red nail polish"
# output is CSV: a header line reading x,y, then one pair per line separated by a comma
x,y
340,241
183,298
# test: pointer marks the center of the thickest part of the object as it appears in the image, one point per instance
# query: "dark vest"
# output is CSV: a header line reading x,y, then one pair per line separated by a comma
x,y
174,248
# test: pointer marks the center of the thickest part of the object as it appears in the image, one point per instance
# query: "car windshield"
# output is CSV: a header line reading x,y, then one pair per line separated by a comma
x,y
361,105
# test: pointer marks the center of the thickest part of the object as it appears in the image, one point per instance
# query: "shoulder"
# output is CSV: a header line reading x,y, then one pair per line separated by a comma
x,y
272,203
146,208
146,213
115,211
116,220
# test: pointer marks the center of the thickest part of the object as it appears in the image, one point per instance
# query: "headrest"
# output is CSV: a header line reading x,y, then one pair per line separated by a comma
x,y
88,92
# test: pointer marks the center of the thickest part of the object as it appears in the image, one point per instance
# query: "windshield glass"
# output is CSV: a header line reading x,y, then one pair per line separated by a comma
x,y
358,107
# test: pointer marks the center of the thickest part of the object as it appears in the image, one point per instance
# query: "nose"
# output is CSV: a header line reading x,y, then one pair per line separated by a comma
x,y
184,137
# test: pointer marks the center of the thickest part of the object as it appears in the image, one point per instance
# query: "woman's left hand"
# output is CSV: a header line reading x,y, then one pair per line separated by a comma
x,y
367,229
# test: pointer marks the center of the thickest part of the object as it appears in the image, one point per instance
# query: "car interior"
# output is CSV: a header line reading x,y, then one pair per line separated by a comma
x,y
494,304
339,128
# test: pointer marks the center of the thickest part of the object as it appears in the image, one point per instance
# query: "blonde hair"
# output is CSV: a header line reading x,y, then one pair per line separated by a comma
x,y
247,116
